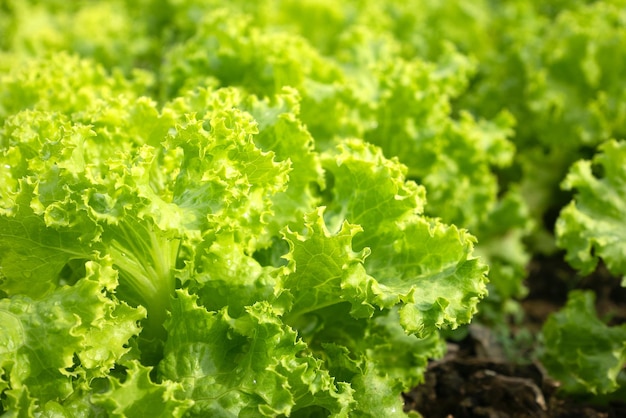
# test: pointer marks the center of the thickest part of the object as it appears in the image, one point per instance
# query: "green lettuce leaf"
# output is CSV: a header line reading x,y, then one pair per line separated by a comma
x,y
590,227
64,83
253,365
413,261
580,350
138,396
52,346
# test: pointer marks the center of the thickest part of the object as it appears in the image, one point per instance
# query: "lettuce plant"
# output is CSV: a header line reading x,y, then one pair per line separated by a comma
x,y
590,227
581,351
203,257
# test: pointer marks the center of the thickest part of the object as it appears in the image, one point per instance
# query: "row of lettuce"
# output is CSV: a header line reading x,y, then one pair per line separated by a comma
x,y
244,208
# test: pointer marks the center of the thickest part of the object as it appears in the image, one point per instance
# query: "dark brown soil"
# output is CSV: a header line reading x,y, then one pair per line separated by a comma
x,y
476,378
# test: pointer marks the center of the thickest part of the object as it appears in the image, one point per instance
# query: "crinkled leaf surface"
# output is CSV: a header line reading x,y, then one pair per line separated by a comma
x,y
253,365
591,226
138,396
50,346
420,264
581,351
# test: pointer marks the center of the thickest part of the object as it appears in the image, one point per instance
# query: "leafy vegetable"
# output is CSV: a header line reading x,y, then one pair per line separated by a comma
x,y
581,351
589,227
179,253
